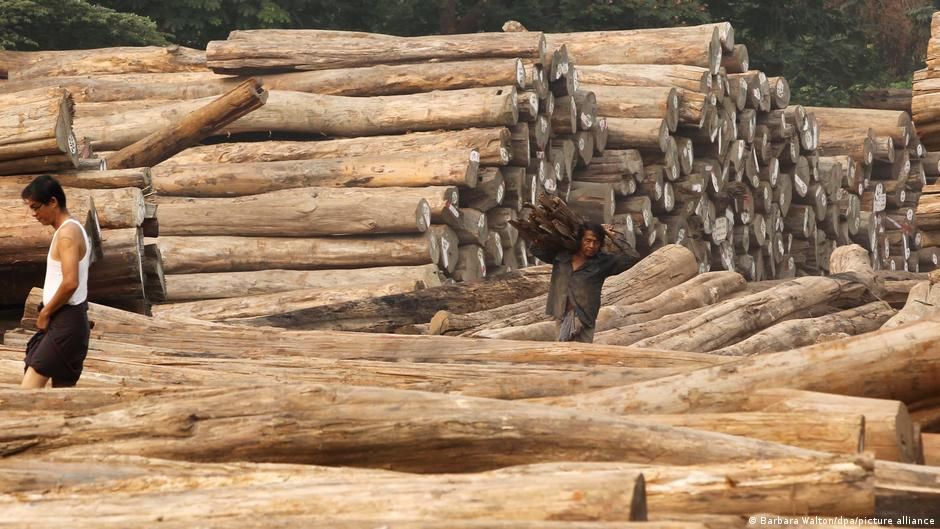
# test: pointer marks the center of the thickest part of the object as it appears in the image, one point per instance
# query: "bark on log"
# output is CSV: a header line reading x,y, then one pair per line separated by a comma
x,y
492,143
630,334
255,51
842,485
189,287
696,45
36,124
139,178
213,339
904,360
264,305
400,312
889,428
922,302
302,212
226,180
314,114
896,124
368,81
115,208
187,255
670,265
115,365
729,322
192,128
101,61
637,133
615,496
120,273
797,333
483,433
637,102
835,432
907,492
684,77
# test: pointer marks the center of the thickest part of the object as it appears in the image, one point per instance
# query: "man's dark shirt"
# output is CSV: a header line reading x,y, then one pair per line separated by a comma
x,y
582,286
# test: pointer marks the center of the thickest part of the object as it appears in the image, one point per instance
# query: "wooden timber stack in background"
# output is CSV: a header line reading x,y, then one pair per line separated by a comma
x,y
666,133
926,100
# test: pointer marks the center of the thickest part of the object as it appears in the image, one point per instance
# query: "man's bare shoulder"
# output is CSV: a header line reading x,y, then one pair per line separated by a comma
x,y
70,238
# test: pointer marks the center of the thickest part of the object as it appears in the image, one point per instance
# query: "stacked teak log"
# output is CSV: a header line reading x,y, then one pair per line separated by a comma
x,y
926,91
924,105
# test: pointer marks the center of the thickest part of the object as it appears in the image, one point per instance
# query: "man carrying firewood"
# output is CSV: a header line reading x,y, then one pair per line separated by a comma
x,y
58,350
574,296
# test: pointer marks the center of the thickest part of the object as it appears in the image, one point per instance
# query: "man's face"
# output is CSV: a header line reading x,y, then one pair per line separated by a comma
x,y
590,244
44,213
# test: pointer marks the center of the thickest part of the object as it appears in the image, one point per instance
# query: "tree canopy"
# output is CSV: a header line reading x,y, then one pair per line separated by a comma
x,y
825,48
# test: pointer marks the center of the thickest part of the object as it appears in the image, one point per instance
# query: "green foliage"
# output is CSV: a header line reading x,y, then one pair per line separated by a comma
x,y
71,24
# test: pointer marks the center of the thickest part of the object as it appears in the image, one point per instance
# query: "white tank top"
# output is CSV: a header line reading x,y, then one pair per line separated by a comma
x,y
54,271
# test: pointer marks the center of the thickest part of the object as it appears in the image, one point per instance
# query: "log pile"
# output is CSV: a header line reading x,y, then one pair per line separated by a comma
x,y
666,133
926,91
487,432
924,102
721,385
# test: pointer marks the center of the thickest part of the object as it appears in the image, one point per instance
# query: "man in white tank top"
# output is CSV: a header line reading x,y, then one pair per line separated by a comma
x,y
58,350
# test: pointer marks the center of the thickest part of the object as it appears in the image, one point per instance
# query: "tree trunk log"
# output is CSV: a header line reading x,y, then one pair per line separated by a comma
x,y
797,333
637,102
906,492
221,285
389,313
117,325
482,433
838,433
187,255
923,301
630,334
35,124
139,178
492,143
637,133
729,322
842,485
264,305
255,51
110,126
150,59
692,78
120,273
905,361
302,212
695,45
116,364
225,180
896,124
889,430
191,128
